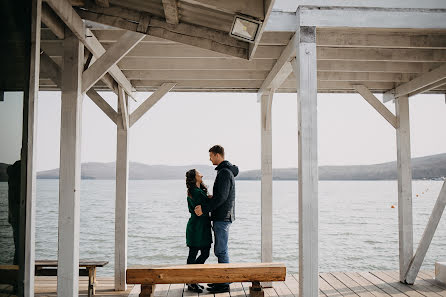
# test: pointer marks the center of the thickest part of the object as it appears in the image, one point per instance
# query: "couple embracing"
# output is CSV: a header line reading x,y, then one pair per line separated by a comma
x,y
204,209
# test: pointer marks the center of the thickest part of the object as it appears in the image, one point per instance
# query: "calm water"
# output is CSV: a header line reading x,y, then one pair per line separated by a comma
x,y
358,227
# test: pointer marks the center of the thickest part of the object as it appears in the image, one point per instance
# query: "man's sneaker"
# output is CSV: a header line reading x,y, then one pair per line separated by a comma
x,y
219,288
194,288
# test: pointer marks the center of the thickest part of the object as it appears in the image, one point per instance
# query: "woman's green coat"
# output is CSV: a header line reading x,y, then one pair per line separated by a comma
x,y
198,230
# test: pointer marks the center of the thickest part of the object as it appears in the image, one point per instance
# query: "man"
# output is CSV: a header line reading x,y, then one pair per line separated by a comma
x,y
221,206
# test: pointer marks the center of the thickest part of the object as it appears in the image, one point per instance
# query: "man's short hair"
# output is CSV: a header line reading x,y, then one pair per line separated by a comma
x,y
217,149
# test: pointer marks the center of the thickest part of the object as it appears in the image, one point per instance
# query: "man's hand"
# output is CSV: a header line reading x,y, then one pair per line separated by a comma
x,y
209,196
198,210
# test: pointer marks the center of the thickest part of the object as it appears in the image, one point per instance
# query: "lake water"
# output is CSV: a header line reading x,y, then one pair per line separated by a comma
x,y
358,227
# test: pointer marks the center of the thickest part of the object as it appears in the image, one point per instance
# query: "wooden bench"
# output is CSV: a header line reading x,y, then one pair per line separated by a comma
x,y
149,276
86,268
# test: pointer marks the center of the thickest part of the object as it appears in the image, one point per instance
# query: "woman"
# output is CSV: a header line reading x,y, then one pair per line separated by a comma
x,y
198,230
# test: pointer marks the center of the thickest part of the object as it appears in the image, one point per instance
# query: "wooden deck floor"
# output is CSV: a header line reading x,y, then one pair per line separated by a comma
x,y
335,284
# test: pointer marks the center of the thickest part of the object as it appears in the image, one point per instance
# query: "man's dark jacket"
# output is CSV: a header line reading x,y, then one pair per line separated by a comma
x,y
222,204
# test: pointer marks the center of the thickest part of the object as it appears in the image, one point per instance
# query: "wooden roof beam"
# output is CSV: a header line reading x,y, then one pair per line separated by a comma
x,y
331,15
171,11
74,22
417,84
53,71
268,8
198,36
281,70
52,21
112,56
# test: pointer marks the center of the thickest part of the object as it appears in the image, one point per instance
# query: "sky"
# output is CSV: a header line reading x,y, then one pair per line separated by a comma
x,y
181,128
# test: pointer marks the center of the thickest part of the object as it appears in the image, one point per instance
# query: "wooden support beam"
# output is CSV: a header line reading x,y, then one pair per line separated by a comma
x,y
370,17
70,168
150,101
121,208
254,8
103,105
194,35
429,87
376,104
418,83
52,21
123,107
28,154
405,220
428,234
102,3
74,22
380,39
268,8
52,70
110,58
304,67
266,180
171,11
282,69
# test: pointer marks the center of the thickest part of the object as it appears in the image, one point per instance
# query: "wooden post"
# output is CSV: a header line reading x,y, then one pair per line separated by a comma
x,y
266,180
122,175
29,148
70,167
304,67
405,227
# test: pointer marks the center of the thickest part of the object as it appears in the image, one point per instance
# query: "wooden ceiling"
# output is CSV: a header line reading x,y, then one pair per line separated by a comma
x,y
379,59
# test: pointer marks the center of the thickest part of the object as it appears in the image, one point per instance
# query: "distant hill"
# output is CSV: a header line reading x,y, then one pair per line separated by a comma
x,y
136,171
430,167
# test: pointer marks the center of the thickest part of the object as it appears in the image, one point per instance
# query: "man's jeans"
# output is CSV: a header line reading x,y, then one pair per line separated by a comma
x,y
221,234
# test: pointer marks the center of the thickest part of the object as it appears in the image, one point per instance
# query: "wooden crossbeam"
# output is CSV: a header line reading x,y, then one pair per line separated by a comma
x,y
150,101
428,234
418,83
268,8
102,3
52,21
110,58
376,104
429,87
190,34
171,11
53,71
282,69
74,22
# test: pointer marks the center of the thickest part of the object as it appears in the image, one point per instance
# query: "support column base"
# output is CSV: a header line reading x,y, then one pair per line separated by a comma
x,y
256,290
147,291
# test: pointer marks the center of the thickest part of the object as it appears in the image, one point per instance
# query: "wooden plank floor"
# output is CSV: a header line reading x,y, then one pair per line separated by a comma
x,y
334,284
47,286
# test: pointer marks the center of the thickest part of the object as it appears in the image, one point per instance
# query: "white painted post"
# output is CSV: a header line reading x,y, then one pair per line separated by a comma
x,y
70,167
266,180
122,174
304,67
405,227
31,134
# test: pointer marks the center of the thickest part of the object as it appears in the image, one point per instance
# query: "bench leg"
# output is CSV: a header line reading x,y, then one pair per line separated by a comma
x,y
256,290
91,281
147,291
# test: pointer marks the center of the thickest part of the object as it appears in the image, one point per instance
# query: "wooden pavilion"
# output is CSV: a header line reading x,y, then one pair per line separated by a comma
x,y
395,47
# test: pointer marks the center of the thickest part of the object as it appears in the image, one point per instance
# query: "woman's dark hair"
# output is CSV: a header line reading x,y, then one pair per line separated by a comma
x,y
217,149
191,182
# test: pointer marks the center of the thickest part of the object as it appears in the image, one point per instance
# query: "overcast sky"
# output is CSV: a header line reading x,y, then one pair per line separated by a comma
x,y
181,127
